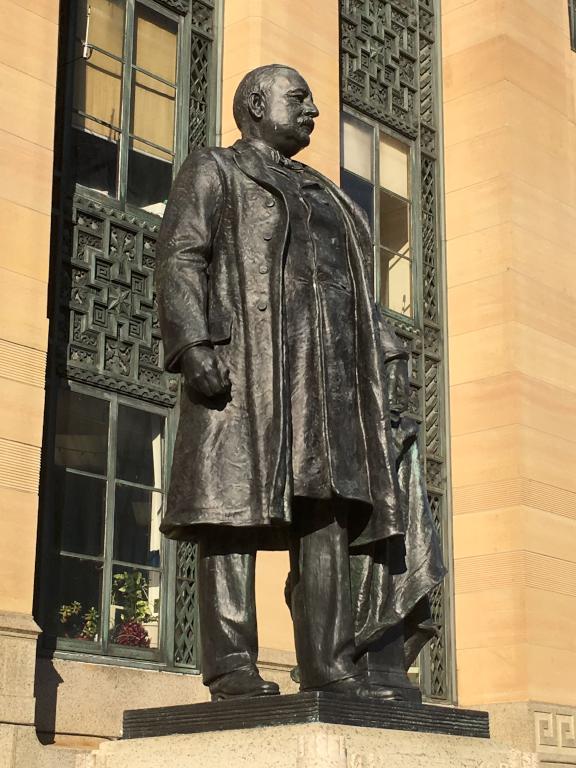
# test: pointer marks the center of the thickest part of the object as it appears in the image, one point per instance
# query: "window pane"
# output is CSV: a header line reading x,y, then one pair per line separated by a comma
x,y
396,283
394,223
135,607
77,615
155,42
81,502
358,141
97,91
137,517
394,166
81,432
153,112
95,159
149,178
140,446
361,191
106,26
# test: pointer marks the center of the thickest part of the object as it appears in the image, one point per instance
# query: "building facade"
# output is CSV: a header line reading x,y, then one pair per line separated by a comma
x,y
453,124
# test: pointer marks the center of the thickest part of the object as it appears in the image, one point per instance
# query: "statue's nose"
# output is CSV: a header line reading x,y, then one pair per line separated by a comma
x,y
312,110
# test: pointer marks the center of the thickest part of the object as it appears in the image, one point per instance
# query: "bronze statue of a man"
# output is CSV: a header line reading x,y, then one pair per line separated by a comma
x,y
285,437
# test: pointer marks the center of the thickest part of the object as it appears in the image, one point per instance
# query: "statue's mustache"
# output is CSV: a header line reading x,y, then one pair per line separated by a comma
x,y
306,122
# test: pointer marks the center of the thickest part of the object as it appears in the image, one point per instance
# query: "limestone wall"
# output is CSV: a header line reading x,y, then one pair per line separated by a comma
x,y
510,132
28,54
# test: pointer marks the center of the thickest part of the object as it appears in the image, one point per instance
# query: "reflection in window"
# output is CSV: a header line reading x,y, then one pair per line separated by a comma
x,y
369,154
108,499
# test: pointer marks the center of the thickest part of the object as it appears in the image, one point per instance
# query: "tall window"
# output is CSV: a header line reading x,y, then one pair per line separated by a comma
x,y
109,467
127,93
572,19
376,173
134,93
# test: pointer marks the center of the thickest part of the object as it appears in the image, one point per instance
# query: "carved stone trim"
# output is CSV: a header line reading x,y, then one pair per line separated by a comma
x,y
556,731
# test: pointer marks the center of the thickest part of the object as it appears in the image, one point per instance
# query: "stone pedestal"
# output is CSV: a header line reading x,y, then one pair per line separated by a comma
x,y
18,636
306,731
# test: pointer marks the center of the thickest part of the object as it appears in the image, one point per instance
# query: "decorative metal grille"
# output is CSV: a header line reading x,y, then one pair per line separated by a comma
x,y
387,59
379,56
185,645
180,6
200,71
109,334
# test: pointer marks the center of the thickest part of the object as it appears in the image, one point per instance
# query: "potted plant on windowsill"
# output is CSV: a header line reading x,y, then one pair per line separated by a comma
x,y
130,595
77,624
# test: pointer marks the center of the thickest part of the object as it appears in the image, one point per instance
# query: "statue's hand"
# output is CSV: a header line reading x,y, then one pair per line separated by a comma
x,y
398,385
204,372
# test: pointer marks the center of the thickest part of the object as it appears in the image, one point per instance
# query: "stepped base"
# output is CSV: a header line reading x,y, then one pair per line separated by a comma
x,y
302,708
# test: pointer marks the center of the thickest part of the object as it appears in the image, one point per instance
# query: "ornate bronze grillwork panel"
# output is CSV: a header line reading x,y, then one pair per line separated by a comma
x,y
388,72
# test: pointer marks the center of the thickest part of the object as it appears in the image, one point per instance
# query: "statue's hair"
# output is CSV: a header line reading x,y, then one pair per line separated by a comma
x,y
256,81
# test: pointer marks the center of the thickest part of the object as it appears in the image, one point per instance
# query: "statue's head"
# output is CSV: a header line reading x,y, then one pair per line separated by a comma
x,y
274,103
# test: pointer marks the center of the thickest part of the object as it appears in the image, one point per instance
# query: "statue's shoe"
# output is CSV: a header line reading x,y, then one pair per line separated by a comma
x,y
351,686
243,683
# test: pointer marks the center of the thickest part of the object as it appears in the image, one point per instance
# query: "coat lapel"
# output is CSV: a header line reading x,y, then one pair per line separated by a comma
x,y
252,163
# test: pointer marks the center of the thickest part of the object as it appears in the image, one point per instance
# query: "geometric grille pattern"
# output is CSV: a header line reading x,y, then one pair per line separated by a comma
x,y
438,657
185,645
108,316
379,54
201,82
387,61
200,72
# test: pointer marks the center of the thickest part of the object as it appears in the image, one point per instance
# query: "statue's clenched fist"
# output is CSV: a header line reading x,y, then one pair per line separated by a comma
x,y
204,372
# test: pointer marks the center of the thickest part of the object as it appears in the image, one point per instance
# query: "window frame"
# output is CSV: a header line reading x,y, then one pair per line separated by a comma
x,y
413,201
184,24
51,551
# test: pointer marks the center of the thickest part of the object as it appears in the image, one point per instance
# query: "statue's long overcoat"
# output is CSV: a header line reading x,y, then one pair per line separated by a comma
x,y
221,255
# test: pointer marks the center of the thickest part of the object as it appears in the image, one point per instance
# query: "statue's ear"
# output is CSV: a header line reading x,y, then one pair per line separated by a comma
x,y
256,104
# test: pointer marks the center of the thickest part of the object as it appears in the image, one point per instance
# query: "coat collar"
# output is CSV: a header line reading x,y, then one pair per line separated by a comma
x,y
255,158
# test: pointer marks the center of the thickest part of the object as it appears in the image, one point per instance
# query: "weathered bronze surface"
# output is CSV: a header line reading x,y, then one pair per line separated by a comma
x,y
292,430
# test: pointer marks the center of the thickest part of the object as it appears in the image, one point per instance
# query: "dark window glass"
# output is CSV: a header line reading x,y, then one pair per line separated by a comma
x,y
137,517
81,432
139,446
361,191
134,609
81,502
77,615
149,179
95,161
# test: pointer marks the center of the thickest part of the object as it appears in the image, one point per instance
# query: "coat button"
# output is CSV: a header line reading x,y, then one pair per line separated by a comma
x,y
267,237
263,269
270,202
262,305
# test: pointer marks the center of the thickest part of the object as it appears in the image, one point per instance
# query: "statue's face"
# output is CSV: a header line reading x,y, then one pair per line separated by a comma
x,y
287,113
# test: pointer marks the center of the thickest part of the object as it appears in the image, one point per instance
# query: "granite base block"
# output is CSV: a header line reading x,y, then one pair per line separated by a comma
x,y
310,745
304,708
